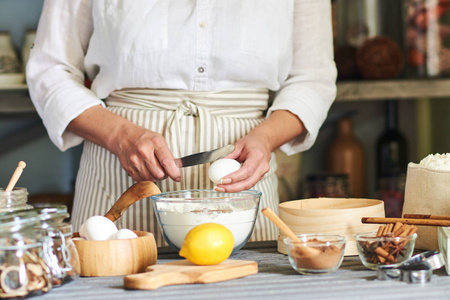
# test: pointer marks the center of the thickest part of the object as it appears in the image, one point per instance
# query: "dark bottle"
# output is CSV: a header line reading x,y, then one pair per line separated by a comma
x,y
392,148
392,164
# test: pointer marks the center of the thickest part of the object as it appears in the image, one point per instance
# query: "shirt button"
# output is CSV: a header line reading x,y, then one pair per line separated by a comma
x,y
201,70
202,24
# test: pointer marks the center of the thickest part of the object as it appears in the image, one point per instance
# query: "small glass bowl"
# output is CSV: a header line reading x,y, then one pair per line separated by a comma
x,y
376,251
317,253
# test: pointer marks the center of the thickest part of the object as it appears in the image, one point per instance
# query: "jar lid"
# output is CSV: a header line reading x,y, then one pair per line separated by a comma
x,y
52,214
15,221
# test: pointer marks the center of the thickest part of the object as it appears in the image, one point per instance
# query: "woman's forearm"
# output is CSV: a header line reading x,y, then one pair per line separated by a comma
x,y
100,126
279,128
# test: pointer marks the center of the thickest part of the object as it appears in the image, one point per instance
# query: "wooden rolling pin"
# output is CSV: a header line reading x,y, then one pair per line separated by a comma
x,y
410,221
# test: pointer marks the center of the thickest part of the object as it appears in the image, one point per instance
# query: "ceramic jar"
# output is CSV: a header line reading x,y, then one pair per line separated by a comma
x,y
10,68
346,155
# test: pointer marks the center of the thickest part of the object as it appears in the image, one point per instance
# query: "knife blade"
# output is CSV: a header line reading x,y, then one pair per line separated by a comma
x,y
203,157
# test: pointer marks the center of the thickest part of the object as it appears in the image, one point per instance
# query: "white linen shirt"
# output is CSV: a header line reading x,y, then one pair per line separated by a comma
x,y
202,45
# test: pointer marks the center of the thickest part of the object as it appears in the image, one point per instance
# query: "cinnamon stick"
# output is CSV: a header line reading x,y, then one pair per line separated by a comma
x,y
421,222
418,216
397,226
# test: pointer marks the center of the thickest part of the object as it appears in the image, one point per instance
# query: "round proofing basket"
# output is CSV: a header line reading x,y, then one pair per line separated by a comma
x,y
330,216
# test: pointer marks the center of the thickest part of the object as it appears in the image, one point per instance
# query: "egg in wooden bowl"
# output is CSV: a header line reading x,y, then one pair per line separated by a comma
x,y
116,256
106,251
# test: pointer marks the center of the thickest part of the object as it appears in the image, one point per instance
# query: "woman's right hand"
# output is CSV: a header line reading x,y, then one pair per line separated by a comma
x,y
143,154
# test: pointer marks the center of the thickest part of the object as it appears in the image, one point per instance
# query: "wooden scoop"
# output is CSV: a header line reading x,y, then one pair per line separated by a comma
x,y
15,177
136,192
304,250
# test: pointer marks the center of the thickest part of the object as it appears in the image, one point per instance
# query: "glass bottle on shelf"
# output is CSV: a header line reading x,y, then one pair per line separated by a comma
x,y
392,162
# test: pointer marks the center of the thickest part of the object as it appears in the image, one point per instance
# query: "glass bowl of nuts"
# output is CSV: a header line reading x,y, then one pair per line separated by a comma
x,y
376,249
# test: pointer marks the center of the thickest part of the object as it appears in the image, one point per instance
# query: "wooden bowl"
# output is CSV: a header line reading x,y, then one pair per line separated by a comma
x,y
329,216
116,257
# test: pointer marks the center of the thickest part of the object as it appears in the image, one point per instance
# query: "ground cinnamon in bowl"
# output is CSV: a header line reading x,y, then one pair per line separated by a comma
x,y
317,253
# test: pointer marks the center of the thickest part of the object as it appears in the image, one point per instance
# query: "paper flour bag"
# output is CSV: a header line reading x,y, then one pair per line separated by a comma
x,y
427,191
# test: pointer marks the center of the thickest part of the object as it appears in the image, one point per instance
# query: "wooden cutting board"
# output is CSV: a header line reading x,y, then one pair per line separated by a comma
x,y
184,272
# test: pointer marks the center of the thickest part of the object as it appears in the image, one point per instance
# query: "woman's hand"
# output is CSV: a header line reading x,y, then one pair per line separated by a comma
x,y
143,154
254,153
254,150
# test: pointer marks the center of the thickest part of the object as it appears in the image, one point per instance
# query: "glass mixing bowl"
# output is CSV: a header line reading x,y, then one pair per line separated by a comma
x,y
180,211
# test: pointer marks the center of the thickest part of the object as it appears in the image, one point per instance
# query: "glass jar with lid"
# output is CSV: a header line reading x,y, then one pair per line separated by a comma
x,y
63,257
427,37
14,200
23,268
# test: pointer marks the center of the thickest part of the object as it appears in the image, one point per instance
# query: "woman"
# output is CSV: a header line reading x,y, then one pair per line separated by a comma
x,y
179,77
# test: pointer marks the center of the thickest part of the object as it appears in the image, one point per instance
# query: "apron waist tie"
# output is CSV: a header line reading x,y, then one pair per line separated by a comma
x,y
205,106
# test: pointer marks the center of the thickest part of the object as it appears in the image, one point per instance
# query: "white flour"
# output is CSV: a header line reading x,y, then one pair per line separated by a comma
x,y
436,162
177,220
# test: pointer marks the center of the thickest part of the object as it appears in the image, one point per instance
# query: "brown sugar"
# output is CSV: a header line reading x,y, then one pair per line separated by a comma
x,y
326,258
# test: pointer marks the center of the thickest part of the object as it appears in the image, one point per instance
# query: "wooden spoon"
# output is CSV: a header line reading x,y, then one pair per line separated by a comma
x,y
15,176
305,250
134,193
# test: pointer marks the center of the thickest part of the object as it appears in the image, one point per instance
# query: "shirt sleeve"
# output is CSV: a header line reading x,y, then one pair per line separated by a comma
x,y
310,88
55,70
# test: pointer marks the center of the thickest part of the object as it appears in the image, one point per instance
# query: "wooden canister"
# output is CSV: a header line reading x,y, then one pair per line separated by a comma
x,y
330,216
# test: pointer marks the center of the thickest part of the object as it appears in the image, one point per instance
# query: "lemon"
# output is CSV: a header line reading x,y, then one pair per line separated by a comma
x,y
207,244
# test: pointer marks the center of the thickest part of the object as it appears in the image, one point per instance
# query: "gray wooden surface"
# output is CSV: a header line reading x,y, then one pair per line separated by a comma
x,y
275,280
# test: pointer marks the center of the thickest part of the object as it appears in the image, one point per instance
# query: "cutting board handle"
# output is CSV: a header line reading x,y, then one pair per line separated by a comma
x,y
184,272
155,279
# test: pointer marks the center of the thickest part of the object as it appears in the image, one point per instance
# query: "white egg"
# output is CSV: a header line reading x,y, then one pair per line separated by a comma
x,y
81,231
99,228
125,234
221,168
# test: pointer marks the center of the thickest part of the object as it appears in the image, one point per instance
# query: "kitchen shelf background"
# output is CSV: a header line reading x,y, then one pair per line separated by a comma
x,y
424,119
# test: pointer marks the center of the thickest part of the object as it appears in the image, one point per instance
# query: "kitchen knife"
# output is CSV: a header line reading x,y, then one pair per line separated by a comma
x,y
203,157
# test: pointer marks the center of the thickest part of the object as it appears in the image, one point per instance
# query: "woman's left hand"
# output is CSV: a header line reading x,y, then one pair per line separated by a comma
x,y
254,150
254,153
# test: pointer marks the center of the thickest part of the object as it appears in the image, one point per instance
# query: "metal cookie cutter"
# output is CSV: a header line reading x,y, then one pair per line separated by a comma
x,y
417,269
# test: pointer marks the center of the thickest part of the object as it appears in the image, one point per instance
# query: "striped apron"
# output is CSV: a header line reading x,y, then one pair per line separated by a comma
x,y
190,122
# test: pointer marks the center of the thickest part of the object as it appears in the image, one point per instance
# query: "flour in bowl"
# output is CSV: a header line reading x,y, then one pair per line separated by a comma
x,y
436,162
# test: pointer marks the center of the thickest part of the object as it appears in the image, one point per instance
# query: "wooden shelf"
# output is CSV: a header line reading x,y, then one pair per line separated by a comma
x,y
400,89
14,87
358,90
